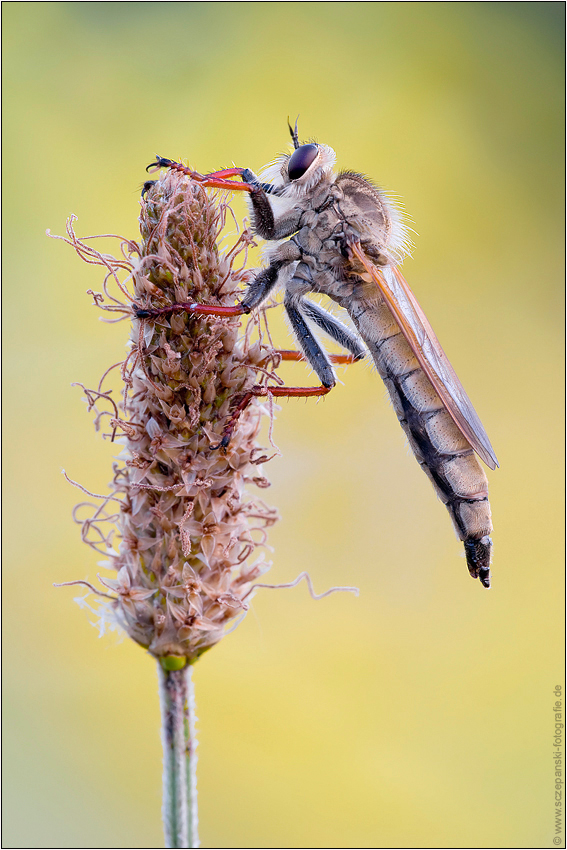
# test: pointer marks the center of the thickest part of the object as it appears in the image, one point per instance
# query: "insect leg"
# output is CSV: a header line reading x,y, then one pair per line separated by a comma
x,y
258,391
264,222
314,354
298,356
187,307
258,290
261,286
334,328
250,178
215,180
147,186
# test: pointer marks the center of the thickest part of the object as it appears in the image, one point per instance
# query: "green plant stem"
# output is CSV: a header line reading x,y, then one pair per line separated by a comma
x,y
177,701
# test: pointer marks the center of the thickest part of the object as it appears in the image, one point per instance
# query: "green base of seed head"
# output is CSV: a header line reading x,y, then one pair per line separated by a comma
x,y
173,662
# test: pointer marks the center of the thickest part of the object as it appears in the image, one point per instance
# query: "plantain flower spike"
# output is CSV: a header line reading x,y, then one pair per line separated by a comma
x,y
188,531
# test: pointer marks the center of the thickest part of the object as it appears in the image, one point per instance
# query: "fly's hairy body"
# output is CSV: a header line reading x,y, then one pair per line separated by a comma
x,y
320,223
337,235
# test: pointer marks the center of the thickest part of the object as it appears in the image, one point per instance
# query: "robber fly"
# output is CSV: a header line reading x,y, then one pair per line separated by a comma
x,y
338,235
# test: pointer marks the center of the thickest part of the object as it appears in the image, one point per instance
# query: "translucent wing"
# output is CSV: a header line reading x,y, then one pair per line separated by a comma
x,y
431,357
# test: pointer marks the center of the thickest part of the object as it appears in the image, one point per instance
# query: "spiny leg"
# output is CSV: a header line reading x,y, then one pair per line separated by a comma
x,y
187,307
314,354
280,392
303,334
248,177
147,186
265,224
259,289
333,327
299,356
215,180
257,292
259,391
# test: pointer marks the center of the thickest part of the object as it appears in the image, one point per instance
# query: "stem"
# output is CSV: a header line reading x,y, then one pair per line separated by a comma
x,y
179,811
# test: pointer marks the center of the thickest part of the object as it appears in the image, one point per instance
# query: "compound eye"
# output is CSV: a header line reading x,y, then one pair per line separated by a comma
x,y
300,160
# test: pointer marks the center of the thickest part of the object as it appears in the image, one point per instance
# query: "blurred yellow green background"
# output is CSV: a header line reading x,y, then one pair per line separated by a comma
x,y
419,714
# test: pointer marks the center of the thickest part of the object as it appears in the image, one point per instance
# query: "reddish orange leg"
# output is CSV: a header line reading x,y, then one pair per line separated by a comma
x,y
255,392
187,307
215,180
296,356
279,392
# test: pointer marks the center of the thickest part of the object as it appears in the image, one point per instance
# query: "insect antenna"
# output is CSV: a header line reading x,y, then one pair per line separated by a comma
x,y
293,132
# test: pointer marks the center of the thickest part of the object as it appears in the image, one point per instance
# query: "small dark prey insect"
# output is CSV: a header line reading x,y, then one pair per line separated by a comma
x,y
338,235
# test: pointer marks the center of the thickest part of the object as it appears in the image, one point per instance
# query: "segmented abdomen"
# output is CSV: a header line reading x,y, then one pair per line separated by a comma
x,y
443,452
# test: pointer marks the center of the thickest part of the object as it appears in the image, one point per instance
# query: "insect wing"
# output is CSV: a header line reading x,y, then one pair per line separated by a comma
x,y
431,357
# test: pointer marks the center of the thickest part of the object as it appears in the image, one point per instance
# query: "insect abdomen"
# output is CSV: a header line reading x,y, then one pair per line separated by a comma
x,y
440,448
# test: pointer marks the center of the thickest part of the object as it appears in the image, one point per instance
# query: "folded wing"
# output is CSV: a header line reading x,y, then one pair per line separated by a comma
x,y
421,337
